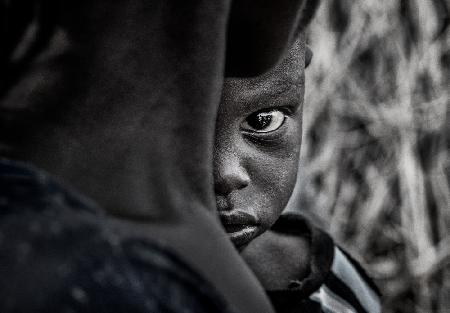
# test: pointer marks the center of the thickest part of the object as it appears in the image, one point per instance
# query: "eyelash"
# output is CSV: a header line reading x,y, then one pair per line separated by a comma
x,y
273,137
287,111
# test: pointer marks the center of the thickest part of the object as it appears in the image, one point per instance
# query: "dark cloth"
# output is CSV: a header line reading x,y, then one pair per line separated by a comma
x,y
335,283
58,255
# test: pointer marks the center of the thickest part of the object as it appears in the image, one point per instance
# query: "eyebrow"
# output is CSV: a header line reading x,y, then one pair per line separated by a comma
x,y
271,93
274,88
280,87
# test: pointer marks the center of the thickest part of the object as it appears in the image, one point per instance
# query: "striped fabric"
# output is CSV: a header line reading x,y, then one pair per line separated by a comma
x,y
336,282
347,288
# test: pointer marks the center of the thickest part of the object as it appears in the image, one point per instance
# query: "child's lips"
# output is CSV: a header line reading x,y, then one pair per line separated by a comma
x,y
242,236
242,227
236,217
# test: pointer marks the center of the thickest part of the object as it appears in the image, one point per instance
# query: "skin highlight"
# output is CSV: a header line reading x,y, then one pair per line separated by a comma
x,y
257,146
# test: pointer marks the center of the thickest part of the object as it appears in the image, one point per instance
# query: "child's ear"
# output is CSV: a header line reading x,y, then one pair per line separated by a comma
x,y
308,56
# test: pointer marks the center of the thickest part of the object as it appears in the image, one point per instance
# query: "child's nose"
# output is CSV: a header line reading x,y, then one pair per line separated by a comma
x,y
229,175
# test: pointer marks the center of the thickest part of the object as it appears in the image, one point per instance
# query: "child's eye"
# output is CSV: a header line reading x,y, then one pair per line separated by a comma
x,y
264,121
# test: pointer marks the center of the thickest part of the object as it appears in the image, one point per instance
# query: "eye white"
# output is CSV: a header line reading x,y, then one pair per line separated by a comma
x,y
264,122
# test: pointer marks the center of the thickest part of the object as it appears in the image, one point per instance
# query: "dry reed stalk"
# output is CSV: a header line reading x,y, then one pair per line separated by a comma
x,y
376,154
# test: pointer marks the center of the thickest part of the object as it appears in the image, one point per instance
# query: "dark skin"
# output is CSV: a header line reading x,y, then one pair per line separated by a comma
x,y
258,139
277,259
113,107
119,80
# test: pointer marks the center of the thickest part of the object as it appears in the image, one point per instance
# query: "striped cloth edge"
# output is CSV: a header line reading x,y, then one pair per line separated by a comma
x,y
347,290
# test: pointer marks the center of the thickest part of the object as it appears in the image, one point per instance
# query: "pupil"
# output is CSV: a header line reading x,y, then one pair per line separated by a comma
x,y
260,120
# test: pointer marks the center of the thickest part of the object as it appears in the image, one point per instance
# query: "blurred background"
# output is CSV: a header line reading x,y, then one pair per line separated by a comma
x,y
376,152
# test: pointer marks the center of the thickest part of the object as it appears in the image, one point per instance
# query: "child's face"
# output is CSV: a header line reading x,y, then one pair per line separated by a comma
x,y
258,137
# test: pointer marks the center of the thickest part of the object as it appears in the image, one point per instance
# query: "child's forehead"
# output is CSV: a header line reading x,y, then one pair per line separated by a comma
x,y
286,77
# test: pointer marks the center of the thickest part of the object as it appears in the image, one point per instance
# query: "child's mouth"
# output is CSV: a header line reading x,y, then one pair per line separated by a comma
x,y
240,226
233,228
242,234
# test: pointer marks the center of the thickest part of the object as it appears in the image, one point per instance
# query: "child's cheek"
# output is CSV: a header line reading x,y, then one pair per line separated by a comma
x,y
275,171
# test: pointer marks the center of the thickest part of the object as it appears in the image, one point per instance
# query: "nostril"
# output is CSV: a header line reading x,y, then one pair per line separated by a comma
x,y
220,189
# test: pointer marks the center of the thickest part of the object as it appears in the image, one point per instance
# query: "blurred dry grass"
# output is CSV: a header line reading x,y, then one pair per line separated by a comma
x,y
376,152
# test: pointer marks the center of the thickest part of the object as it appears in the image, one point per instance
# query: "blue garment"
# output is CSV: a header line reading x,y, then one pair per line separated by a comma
x,y
57,255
